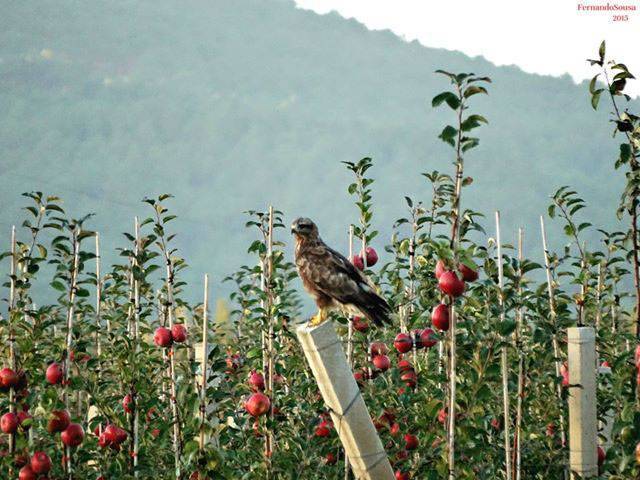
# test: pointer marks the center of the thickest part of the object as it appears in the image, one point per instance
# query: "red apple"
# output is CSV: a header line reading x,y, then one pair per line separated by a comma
x,y
103,441
372,256
495,424
409,378
606,364
112,435
403,343
26,473
564,372
162,337
440,317
9,423
378,348
358,262
54,373
40,463
323,429
58,421
410,442
360,324
330,459
126,403
551,430
381,362
73,435
23,418
440,269
257,404
256,381
400,475
404,365
450,284
394,429
427,338
402,455
468,274
8,378
442,415
234,362
179,333
21,459
358,377
601,456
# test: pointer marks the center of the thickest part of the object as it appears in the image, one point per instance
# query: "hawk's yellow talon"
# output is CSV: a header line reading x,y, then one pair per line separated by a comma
x,y
319,318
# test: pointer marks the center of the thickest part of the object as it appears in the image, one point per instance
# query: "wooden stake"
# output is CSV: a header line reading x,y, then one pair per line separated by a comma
x,y
98,300
69,336
349,349
342,396
270,319
172,369
504,365
136,339
554,338
203,364
12,340
583,431
521,380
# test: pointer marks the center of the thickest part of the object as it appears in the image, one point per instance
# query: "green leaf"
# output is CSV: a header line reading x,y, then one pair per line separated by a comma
x,y
58,286
473,121
473,90
507,327
602,50
595,99
449,97
448,135
592,84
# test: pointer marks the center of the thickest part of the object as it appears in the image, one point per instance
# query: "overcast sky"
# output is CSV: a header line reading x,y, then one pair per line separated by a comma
x,y
543,36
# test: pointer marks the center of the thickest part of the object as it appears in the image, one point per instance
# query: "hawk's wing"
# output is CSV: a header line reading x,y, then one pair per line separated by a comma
x,y
335,276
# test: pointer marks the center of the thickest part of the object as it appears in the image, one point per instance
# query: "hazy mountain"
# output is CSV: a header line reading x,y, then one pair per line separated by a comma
x,y
232,105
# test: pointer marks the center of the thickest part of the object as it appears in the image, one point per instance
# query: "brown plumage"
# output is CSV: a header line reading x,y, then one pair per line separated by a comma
x,y
332,280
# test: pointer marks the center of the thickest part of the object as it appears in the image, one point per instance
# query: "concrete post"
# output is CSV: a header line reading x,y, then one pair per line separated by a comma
x,y
342,396
583,426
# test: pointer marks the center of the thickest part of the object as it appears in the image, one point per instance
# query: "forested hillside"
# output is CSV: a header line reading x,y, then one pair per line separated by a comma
x,y
232,105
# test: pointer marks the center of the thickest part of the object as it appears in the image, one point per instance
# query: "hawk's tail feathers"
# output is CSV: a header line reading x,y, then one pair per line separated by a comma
x,y
376,309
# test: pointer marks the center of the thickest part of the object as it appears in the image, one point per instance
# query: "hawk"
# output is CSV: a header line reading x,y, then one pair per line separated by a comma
x,y
332,280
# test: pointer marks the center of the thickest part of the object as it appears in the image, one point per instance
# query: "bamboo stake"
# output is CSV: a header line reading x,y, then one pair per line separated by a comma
x,y
172,368
69,336
455,237
349,350
270,319
554,338
519,326
505,367
136,337
203,364
12,350
98,300
599,297
412,287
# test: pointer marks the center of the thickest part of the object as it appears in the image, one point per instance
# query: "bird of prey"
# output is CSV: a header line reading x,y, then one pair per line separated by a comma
x,y
332,280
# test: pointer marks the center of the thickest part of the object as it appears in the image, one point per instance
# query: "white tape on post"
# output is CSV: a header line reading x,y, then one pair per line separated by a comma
x,y
342,396
583,423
